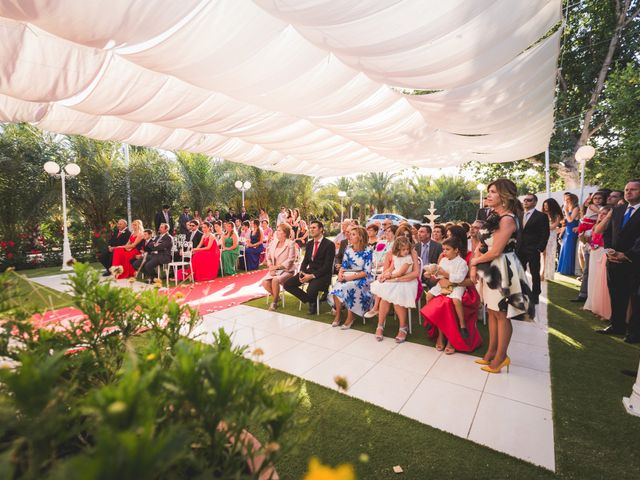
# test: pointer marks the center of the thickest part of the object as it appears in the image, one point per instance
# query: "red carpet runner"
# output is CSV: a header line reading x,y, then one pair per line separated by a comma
x,y
206,297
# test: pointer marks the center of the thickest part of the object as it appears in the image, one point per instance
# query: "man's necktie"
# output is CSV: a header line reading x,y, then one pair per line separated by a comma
x,y
315,250
627,216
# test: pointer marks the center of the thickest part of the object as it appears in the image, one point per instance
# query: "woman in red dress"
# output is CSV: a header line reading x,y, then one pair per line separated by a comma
x,y
122,255
206,256
440,314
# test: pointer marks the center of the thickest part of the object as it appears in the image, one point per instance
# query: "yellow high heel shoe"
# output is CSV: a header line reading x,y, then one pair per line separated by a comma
x,y
505,363
481,361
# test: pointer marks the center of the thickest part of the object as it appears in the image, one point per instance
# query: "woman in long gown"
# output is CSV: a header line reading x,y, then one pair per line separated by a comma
x,y
598,299
230,249
254,246
567,260
281,258
122,255
206,256
553,211
354,279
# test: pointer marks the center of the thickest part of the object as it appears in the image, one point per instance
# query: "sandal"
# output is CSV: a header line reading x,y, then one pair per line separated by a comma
x,y
439,347
449,350
402,339
380,328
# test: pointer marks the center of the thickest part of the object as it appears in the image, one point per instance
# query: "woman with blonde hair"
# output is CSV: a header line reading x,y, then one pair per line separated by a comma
x,y
569,233
281,257
122,255
503,285
352,288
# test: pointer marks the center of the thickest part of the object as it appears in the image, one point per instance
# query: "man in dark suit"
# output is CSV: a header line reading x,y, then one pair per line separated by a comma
x,y
484,212
243,215
160,253
194,235
230,216
164,216
183,220
533,241
119,237
427,250
147,244
316,267
623,268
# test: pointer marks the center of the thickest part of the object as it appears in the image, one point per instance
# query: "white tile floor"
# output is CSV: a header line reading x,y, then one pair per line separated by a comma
x,y
507,412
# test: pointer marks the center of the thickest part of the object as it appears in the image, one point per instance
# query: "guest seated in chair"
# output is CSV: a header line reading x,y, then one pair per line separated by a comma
x,y
145,247
354,279
160,253
122,255
194,235
230,249
316,267
119,237
397,285
206,256
254,246
281,257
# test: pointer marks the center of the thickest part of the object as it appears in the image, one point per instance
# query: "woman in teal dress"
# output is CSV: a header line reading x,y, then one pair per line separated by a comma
x,y
230,249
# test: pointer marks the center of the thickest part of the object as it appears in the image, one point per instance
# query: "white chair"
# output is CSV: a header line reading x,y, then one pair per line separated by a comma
x,y
186,252
242,255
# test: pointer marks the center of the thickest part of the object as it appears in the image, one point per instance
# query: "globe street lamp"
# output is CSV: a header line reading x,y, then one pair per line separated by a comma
x,y
342,194
481,188
69,170
583,154
243,187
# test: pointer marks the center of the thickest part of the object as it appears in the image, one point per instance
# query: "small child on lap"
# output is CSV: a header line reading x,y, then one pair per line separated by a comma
x,y
454,268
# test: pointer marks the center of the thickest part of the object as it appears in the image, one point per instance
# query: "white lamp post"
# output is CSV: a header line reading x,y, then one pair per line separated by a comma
x,y
342,194
243,187
481,188
69,170
583,154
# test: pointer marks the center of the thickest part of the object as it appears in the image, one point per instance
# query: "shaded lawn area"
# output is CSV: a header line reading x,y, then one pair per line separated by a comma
x,y
595,438
35,297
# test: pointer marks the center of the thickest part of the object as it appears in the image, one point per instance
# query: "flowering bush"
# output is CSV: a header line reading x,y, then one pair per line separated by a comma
x,y
93,399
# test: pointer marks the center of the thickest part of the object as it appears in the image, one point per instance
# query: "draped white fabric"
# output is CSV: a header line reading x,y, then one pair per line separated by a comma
x,y
318,87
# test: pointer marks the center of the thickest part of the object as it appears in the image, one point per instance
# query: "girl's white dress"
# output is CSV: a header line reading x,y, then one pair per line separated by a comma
x,y
399,293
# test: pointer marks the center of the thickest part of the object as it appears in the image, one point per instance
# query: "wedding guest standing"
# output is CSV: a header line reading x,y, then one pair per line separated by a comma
x,y
623,268
281,257
554,216
119,237
598,299
503,284
535,234
571,212
164,216
185,218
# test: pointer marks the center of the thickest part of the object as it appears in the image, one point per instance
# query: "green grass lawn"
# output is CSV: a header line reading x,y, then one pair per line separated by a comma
x,y
595,438
33,296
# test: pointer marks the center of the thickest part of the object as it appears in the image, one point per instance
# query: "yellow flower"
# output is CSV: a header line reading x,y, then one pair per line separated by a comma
x,y
258,352
178,295
151,356
317,471
341,382
117,407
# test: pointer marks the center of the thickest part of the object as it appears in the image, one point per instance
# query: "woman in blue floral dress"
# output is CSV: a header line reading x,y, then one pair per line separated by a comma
x,y
354,279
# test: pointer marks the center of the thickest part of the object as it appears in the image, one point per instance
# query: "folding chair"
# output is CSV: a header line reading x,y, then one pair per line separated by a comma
x,y
186,252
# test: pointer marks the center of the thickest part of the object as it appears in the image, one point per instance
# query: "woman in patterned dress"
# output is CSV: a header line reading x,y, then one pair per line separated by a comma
x,y
503,285
354,279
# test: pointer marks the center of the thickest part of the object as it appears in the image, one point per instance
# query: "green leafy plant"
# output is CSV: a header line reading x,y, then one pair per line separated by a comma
x,y
121,392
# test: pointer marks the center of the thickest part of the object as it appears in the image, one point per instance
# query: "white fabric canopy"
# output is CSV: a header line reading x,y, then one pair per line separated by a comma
x,y
317,87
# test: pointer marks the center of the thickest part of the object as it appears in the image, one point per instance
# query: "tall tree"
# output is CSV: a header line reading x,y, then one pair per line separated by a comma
x,y
25,188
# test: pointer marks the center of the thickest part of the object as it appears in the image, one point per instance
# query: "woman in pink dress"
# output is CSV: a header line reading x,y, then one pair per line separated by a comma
x,y
122,255
598,299
206,256
281,257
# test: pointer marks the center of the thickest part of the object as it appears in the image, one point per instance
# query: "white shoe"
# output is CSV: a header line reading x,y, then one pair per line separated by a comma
x,y
371,314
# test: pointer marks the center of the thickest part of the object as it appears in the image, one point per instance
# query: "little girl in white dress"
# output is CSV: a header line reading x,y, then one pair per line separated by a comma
x,y
399,293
